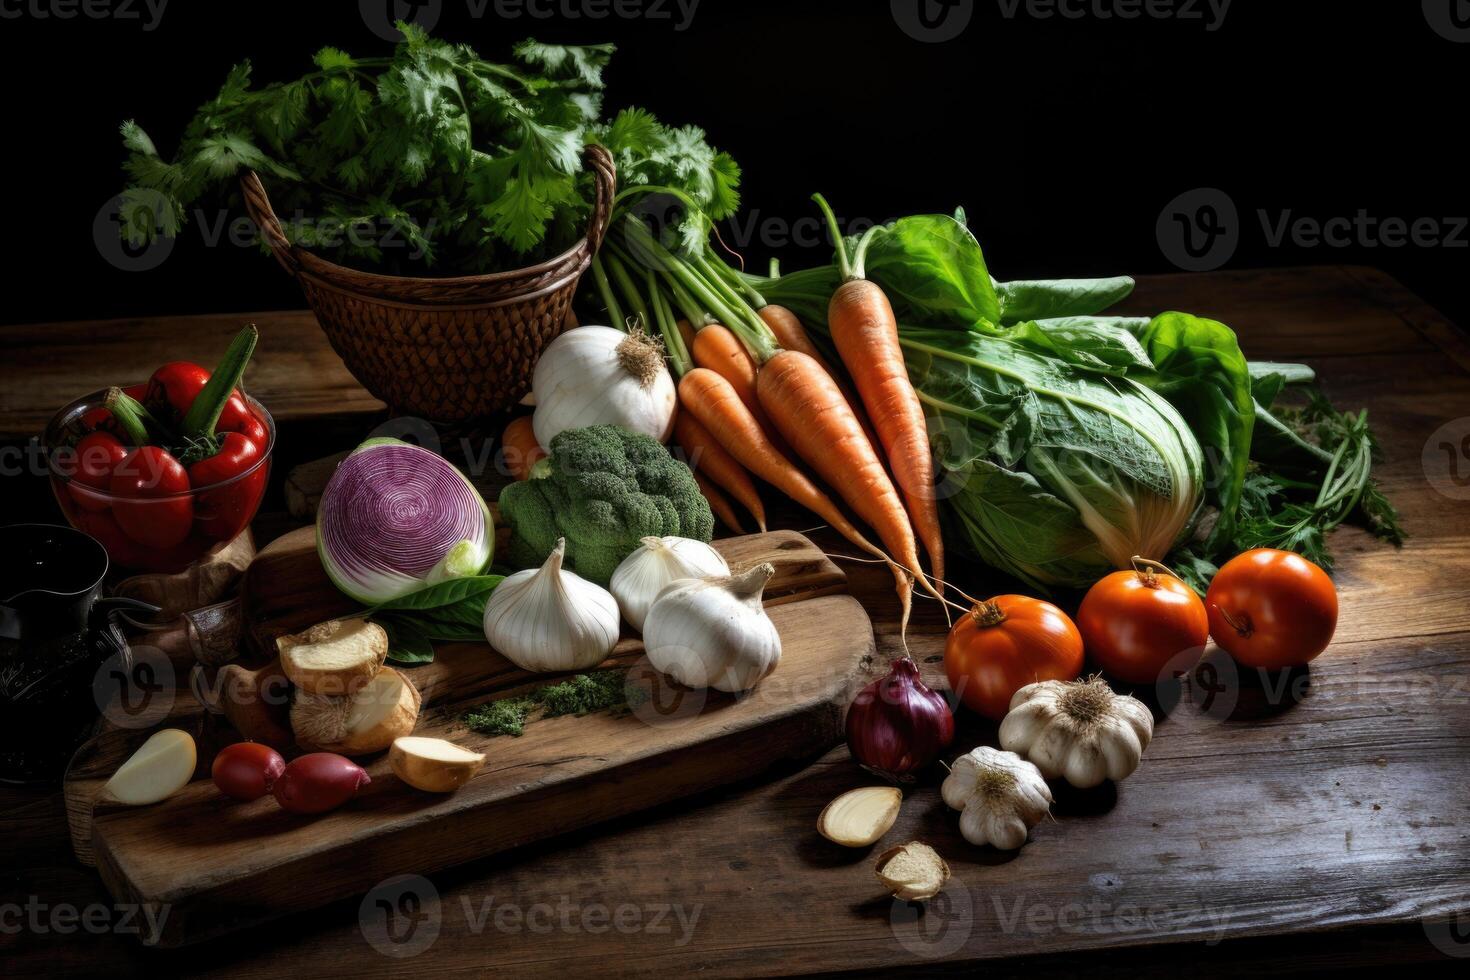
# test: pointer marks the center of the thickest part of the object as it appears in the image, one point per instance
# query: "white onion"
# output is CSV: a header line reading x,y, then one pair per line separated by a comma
x,y
395,518
601,376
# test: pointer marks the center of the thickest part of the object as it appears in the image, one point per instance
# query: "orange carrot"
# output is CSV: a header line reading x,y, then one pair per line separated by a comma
x,y
865,332
717,348
719,504
711,461
713,401
791,335
519,449
809,410
686,332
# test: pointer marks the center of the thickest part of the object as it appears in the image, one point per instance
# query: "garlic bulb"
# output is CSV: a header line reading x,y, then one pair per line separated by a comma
x,y
601,376
645,573
1078,730
1002,795
549,618
714,632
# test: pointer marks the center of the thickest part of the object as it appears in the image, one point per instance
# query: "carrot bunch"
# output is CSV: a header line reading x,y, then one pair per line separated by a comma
x,y
757,399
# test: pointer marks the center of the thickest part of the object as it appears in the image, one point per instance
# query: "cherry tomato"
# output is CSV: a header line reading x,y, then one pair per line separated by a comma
x,y
1005,643
1272,609
1133,623
247,770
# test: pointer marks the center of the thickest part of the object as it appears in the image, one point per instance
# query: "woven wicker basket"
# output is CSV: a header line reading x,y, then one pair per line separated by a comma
x,y
447,349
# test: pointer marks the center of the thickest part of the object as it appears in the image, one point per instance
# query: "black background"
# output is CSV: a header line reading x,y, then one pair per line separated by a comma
x,y
1063,137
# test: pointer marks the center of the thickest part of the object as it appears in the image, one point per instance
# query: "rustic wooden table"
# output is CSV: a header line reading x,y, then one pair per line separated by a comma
x,y
1317,823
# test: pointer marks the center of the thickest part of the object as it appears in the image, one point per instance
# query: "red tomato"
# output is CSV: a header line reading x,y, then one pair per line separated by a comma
x,y
1005,643
1272,609
247,770
1133,623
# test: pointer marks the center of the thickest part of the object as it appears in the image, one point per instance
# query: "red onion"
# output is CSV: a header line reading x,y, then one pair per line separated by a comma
x,y
897,725
395,518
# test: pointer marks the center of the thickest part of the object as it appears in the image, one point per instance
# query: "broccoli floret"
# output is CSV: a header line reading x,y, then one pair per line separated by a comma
x,y
604,489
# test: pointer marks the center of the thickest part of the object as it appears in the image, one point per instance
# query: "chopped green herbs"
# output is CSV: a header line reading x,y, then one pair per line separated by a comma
x,y
583,694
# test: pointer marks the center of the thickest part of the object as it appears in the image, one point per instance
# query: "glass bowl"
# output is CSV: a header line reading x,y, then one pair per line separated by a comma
x,y
161,532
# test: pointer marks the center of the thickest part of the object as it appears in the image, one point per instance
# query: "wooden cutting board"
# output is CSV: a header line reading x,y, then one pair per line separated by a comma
x,y
220,865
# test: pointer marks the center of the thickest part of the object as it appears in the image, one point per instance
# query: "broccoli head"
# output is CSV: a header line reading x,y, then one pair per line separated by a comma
x,y
604,489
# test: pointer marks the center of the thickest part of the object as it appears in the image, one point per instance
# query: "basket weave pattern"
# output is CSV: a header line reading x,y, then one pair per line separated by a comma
x,y
446,349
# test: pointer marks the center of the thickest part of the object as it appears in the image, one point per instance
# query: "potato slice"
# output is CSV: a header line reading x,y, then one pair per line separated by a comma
x,y
861,816
335,658
386,708
433,765
161,767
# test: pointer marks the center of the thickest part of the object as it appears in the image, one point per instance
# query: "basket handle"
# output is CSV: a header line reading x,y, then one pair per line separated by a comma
x,y
600,160
258,206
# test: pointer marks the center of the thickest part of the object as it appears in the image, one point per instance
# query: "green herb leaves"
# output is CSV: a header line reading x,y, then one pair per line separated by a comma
x,y
451,611
430,160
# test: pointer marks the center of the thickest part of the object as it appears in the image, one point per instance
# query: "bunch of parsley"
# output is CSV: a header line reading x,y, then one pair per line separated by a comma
x,y
430,161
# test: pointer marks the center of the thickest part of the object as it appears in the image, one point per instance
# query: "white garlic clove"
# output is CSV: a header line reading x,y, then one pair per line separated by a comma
x,y
551,619
654,566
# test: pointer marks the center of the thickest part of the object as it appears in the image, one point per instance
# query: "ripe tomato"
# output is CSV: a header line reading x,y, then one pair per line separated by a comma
x,y
1272,609
1134,623
1005,643
247,770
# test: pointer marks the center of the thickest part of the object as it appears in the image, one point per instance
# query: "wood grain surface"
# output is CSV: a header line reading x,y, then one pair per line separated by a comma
x,y
565,774
1321,825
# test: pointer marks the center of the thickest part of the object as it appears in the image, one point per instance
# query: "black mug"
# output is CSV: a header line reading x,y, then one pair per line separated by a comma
x,y
56,631
51,583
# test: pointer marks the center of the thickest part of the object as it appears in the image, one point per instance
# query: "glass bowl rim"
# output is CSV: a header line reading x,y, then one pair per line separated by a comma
x,y
74,409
